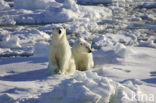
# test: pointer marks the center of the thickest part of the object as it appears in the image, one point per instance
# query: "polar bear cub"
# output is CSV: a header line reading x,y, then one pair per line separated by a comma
x,y
83,55
60,55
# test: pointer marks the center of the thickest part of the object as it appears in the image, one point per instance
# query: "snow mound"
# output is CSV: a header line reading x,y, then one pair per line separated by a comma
x,y
88,87
56,15
32,4
37,35
70,4
84,87
109,50
109,40
22,42
120,50
67,11
149,43
9,41
7,19
82,28
3,5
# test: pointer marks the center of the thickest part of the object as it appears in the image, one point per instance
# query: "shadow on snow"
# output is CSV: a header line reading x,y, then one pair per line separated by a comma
x,y
23,59
41,74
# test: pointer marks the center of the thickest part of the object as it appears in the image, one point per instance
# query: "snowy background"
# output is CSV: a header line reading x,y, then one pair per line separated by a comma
x,y
123,35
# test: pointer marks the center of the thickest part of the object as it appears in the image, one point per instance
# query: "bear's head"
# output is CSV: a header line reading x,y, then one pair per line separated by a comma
x,y
82,46
58,32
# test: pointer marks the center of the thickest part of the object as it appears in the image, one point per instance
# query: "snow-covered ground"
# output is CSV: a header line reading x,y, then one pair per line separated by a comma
x,y
123,35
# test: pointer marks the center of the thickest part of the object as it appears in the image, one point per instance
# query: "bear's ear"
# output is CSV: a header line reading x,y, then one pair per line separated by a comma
x,y
64,26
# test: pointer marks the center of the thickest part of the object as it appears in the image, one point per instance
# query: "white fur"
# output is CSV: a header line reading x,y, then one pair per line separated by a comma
x,y
83,55
60,56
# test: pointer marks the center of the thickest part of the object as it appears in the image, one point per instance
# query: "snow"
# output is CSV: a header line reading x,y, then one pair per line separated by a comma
x,y
39,47
49,11
93,1
3,5
22,42
32,4
149,5
123,45
96,85
10,42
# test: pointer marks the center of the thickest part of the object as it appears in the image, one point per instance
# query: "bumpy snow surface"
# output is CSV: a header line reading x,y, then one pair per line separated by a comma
x,y
3,5
123,35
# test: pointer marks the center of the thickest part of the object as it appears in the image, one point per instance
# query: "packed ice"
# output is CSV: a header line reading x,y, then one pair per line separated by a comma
x,y
123,36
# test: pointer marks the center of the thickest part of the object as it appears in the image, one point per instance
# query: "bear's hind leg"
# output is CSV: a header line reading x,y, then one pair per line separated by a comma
x,y
52,67
72,67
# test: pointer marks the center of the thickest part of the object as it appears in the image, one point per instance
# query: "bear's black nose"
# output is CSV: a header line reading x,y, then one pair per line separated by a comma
x,y
89,51
59,31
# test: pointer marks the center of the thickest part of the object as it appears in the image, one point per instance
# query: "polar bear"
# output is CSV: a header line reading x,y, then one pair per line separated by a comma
x,y
82,55
61,60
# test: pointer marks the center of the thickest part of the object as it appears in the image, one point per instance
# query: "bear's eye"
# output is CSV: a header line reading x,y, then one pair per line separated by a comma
x,y
59,31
